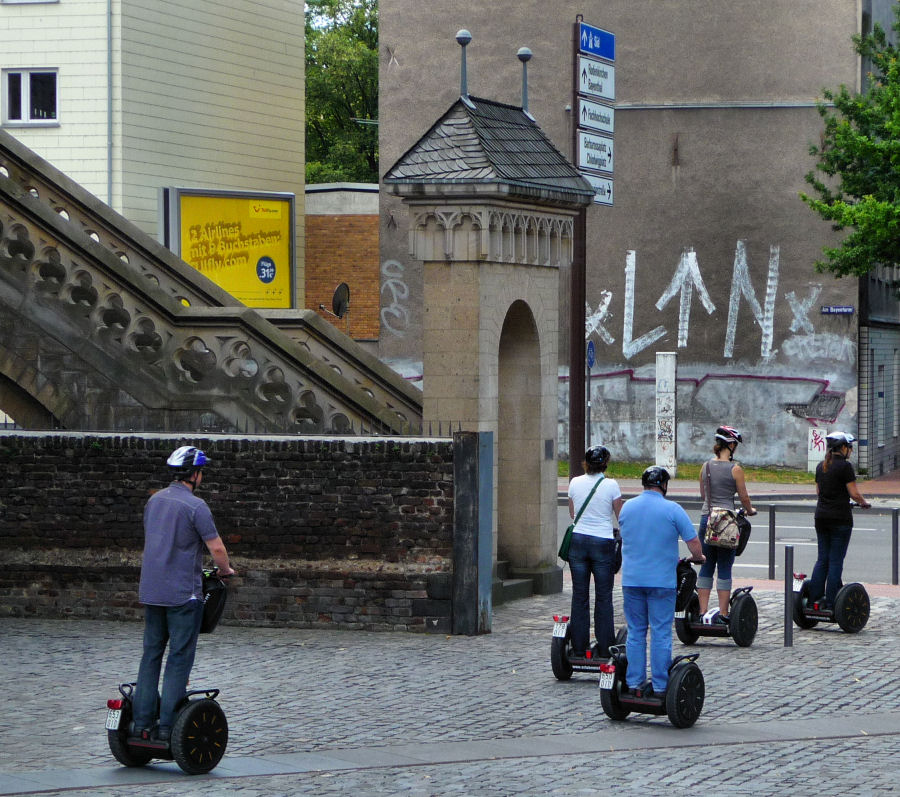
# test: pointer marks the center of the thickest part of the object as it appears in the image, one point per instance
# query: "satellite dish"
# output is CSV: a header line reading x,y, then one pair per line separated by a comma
x,y
340,303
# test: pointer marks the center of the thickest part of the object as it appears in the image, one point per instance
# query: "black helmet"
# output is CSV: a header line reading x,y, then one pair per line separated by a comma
x,y
655,476
728,434
837,439
597,456
185,460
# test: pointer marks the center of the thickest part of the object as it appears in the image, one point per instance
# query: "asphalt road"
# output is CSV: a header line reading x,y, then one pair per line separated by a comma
x,y
868,559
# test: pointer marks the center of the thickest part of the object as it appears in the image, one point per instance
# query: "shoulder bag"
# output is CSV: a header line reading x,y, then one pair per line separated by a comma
x,y
567,537
721,528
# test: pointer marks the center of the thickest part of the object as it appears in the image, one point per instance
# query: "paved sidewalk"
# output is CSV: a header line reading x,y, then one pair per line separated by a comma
x,y
338,713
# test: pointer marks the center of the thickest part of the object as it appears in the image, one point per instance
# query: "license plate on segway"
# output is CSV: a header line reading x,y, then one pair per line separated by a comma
x,y
559,629
681,615
798,583
606,680
113,718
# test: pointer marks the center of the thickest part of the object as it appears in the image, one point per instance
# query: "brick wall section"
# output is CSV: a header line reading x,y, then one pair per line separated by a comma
x,y
344,248
324,533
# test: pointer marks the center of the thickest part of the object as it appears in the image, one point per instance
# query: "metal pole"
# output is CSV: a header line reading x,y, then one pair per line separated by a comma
x,y
788,596
587,393
771,542
895,513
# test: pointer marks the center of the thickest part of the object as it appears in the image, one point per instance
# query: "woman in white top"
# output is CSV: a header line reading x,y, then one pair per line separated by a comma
x,y
593,552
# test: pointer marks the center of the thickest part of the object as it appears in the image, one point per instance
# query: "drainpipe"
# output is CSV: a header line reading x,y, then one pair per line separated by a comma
x,y
109,103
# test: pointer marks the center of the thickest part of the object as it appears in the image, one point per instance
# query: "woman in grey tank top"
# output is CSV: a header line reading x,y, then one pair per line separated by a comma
x,y
720,479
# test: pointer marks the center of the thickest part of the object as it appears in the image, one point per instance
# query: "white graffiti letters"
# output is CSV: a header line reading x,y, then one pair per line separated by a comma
x,y
801,307
630,347
594,320
686,276
394,316
741,286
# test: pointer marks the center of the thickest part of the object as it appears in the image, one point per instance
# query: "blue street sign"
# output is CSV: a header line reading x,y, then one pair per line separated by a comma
x,y
590,354
596,41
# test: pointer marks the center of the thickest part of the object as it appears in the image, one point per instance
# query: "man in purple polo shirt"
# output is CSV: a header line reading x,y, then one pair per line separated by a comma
x,y
178,529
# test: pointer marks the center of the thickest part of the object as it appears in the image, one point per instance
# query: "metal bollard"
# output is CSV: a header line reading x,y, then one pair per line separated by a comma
x,y
771,543
894,558
788,596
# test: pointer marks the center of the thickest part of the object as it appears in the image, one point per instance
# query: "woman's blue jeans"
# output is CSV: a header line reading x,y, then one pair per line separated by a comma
x,y
591,556
178,626
653,608
834,539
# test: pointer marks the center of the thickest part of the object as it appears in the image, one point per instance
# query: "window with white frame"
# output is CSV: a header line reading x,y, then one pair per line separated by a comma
x,y
30,96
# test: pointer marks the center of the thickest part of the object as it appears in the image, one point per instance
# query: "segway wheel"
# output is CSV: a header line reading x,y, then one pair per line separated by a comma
x,y
682,625
684,695
800,599
744,620
199,736
609,698
851,608
559,658
118,746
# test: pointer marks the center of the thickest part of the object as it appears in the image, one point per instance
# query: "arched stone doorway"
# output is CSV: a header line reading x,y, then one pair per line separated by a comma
x,y
519,439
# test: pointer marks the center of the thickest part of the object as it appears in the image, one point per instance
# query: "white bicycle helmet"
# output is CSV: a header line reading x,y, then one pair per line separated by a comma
x,y
728,434
187,458
835,440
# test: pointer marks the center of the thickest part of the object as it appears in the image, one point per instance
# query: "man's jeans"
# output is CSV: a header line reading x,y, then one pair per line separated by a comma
x,y
652,607
592,555
179,626
834,539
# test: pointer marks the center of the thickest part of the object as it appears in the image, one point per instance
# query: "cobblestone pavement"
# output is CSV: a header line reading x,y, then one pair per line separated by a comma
x,y
486,713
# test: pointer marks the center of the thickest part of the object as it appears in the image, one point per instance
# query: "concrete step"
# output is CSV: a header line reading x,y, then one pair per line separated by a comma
x,y
510,589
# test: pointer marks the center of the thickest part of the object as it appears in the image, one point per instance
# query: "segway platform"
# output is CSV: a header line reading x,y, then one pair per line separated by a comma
x,y
851,607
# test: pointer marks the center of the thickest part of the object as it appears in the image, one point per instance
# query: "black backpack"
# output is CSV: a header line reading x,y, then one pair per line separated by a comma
x,y
214,594
686,582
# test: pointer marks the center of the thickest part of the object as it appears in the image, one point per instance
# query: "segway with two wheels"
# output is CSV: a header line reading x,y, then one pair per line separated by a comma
x,y
200,730
682,700
850,611
563,660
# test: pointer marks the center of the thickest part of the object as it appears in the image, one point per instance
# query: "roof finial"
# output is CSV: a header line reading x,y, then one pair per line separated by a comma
x,y
463,37
524,55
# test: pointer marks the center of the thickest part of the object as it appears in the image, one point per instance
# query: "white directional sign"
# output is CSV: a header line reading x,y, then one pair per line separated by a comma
x,y
595,116
594,152
603,187
596,79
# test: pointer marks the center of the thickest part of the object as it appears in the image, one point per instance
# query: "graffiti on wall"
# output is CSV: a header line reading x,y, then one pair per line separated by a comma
x,y
394,312
688,279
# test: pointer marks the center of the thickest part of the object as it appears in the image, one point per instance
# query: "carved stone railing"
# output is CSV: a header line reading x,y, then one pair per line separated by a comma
x,y
103,322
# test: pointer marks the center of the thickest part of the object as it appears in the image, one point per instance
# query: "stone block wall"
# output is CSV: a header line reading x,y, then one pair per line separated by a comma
x,y
323,532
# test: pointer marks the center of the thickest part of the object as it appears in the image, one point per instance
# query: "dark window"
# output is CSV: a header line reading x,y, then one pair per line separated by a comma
x,y
43,95
14,95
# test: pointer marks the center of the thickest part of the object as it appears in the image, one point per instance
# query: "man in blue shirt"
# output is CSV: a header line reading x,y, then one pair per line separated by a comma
x,y
178,530
651,526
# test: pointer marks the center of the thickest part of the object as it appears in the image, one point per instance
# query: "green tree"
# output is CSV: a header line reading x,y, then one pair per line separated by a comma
x,y
341,91
857,177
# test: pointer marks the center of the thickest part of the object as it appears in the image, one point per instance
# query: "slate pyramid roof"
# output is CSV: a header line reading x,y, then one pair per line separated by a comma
x,y
482,142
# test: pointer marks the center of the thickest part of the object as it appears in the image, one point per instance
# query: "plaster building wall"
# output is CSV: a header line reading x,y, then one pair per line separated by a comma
x,y
708,250
201,94
69,37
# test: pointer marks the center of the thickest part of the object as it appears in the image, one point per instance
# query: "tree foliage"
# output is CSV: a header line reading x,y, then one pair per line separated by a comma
x,y
857,177
341,91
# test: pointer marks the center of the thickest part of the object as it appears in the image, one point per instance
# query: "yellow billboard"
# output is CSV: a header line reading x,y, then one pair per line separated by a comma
x,y
244,242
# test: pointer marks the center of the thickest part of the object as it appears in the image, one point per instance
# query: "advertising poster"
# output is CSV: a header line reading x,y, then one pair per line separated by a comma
x,y
244,242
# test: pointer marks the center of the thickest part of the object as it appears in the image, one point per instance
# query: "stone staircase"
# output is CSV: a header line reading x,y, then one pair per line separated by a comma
x,y
103,328
508,587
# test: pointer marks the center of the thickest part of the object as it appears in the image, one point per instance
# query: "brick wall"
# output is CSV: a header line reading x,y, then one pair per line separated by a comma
x,y
344,248
354,534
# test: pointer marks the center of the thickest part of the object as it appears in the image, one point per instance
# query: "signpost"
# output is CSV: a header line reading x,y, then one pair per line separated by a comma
x,y
595,91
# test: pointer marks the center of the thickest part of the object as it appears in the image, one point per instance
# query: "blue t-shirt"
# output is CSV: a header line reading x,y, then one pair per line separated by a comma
x,y
651,526
176,524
